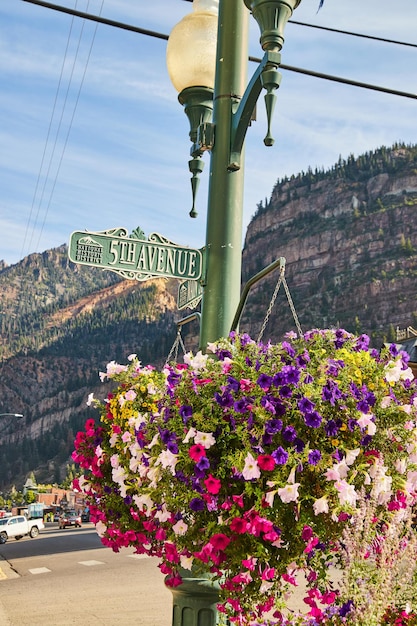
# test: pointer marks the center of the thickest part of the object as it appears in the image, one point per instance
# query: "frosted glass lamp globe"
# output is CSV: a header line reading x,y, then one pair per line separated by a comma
x,y
191,49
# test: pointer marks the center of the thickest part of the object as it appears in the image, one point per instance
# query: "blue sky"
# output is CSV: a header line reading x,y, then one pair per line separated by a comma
x,y
104,143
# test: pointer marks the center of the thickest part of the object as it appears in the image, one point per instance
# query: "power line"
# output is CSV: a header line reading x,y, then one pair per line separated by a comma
x,y
46,141
70,123
348,32
289,68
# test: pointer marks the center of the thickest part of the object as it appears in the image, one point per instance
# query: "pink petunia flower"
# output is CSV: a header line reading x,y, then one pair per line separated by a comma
x,y
266,462
213,485
219,541
196,452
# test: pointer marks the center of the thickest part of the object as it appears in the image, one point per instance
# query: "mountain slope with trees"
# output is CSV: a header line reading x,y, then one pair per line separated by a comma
x,y
349,237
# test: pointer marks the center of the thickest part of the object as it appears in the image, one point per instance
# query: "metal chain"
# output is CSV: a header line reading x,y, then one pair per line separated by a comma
x,y
271,304
281,279
292,307
174,350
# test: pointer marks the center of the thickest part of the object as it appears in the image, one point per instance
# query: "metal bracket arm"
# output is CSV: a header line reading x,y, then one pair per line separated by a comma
x,y
189,318
242,116
252,281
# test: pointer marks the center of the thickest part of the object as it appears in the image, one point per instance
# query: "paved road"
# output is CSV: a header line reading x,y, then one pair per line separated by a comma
x,y
66,578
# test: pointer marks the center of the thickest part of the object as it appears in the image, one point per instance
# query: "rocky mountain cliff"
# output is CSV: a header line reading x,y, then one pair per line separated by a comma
x,y
349,238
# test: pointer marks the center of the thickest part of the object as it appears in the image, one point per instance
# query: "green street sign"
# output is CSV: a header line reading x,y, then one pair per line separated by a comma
x,y
135,257
190,293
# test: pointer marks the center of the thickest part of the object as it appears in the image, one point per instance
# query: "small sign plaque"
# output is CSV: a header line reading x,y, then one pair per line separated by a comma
x,y
135,257
190,293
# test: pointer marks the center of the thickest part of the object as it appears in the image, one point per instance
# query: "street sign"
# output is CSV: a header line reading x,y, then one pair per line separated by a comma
x,y
190,293
135,257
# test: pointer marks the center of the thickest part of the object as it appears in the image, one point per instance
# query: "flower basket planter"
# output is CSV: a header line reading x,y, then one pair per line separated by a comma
x,y
252,463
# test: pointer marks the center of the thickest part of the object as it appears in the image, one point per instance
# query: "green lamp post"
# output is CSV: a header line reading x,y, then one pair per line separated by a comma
x,y
207,56
211,79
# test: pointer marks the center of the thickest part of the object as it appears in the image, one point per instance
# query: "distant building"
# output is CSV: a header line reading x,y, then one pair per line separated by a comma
x,y
30,485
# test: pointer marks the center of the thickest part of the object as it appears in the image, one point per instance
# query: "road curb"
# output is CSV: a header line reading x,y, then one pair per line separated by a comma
x,y
6,570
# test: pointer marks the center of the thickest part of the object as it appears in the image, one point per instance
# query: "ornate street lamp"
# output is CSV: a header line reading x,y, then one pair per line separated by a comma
x,y
220,107
191,62
212,88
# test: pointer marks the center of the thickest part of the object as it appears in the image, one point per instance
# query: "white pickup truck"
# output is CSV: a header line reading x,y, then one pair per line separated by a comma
x,y
17,526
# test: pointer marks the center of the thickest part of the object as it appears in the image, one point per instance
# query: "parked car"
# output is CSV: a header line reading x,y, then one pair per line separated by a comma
x,y
69,518
17,526
85,516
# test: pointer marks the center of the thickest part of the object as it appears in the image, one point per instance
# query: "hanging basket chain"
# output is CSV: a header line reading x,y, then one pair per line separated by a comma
x,y
292,307
174,350
281,279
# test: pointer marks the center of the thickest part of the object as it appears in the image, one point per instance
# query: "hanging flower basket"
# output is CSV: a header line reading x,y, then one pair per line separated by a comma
x,y
251,463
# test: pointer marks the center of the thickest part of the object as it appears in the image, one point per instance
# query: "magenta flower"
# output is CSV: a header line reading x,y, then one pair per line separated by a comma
x,y
266,462
219,541
196,452
213,485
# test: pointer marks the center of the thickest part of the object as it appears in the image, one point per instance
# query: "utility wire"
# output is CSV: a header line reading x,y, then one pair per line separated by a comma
x,y
289,68
57,133
22,252
348,32
69,127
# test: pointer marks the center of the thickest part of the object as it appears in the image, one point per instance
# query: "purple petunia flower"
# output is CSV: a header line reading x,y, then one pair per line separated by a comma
x,y
172,447
267,404
363,406
352,424
173,379
264,381
334,366
302,359
273,426
223,354
346,608
267,439
332,427
314,457
197,504
224,400
185,412
181,476
292,374
203,463
305,405
331,392
233,384
299,444
242,405
289,434
288,348
285,391
341,337
362,343
245,339
313,419
280,456
169,439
